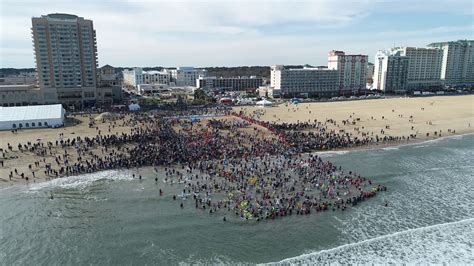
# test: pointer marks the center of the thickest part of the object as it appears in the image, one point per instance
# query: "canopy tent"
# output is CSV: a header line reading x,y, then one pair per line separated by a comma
x,y
264,103
134,107
31,116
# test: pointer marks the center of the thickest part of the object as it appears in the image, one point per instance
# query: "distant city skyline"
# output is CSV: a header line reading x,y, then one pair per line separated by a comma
x,y
238,33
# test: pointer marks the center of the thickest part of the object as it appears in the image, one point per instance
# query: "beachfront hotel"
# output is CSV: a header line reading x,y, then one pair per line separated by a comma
x,y
458,61
391,72
66,59
352,71
309,82
424,67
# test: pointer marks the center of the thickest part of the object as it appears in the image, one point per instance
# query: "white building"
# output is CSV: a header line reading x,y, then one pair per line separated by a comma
x,y
137,76
312,82
424,67
391,72
31,116
458,61
152,88
352,71
268,92
186,76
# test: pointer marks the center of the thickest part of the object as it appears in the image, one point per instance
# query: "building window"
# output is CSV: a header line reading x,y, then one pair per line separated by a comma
x,y
20,125
39,124
33,124
27,125
14,125
45,124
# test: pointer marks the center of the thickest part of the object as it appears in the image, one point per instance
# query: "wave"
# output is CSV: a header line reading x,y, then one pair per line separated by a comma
x,y
85,180
391,148
436,140
441,243
331,153
416,144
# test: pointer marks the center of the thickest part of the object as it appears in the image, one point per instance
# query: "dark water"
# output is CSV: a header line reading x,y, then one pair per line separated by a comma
x,y
109,218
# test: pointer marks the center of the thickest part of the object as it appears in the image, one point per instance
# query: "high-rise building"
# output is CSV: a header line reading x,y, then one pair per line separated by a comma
x,y
66,59
458,61
391,71
424,67
312,82
352,71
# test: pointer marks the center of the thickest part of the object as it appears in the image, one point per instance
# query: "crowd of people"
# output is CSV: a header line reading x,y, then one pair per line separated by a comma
x,y
316,136
272,186
224,164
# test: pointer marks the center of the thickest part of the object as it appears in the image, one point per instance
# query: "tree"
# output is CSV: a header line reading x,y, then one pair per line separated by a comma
x,y
200,97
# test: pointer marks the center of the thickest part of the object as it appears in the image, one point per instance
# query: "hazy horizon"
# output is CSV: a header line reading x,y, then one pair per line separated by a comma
x,y
239,33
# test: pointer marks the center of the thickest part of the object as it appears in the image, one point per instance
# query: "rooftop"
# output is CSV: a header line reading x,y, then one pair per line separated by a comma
x,y
452,42
153,72
61,16
36,112
18,87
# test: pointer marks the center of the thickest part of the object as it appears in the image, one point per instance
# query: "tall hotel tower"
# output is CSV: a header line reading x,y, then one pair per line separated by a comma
x,y
66,59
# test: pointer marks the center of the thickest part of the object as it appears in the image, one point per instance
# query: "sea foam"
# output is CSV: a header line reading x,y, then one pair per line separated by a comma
x,y
447,243
85,180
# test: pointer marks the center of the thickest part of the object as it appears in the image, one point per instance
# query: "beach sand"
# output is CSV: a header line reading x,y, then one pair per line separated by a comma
x,y
75,126
430,115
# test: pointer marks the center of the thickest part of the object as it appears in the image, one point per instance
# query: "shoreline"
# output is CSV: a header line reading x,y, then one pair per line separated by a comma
x,y
369,147
410,142
338,127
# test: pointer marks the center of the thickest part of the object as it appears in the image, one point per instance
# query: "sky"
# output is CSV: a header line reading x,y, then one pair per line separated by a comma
x,y
237,33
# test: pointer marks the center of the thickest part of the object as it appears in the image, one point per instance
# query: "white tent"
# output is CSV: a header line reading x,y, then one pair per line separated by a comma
x,y
134,107
31,116
264,103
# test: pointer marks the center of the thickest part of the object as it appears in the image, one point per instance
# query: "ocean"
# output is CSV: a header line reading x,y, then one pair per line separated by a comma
x,y
109,218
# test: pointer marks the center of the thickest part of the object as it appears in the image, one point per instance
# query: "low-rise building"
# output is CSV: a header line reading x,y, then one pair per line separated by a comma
x,y
136,76
22,79
109,86
147,89
186,76
20,95
268,92
311,82
229,84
